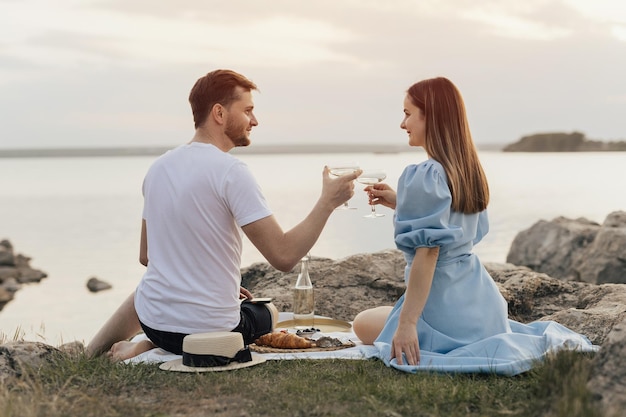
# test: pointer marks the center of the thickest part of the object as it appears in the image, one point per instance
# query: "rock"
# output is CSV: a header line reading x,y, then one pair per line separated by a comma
x,y
26,274
605,259
74,349
14,270
5,297
608,378
7,272
574,249
11,285
531,295
553,247
6,253
342,287
29,275
94,285
589,309
15,355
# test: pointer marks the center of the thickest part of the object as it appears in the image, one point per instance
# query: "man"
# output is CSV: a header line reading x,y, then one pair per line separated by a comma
x,y
197,200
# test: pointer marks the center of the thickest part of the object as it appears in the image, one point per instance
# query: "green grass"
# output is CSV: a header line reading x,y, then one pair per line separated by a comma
x,y
95,387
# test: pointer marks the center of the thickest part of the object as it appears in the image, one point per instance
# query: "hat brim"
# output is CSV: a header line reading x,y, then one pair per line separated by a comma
x,y
177,365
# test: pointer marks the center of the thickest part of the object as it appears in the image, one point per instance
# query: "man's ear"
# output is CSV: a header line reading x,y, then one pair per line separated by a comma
x,y
217,112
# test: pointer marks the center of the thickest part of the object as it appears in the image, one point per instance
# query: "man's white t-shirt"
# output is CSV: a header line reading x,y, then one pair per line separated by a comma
x,y
196,199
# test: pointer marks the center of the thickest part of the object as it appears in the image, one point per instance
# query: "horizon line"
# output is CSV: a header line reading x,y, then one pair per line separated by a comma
x,y
256,149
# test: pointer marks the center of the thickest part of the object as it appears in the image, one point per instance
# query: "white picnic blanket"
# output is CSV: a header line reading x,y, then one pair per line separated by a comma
x,y
359,351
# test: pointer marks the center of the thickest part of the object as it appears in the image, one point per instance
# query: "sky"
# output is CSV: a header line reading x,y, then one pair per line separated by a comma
x,y
109,73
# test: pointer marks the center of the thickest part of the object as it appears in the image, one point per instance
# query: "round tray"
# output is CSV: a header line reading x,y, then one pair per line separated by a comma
x,y
325,325
267,349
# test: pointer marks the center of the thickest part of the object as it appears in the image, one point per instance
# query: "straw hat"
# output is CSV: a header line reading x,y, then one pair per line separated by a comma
x,y
212,352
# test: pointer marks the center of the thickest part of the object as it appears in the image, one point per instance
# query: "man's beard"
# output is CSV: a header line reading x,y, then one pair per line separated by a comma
x,y
236,135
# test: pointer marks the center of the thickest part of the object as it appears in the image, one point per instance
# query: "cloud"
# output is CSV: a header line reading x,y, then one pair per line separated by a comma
x,y
141,33
619,32
511,26
600,10
106,36
99,71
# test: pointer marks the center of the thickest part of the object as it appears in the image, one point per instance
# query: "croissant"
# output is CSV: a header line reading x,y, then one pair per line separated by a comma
x,y
283,340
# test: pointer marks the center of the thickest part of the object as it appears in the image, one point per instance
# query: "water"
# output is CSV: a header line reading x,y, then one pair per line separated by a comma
x,y
303,307
81,217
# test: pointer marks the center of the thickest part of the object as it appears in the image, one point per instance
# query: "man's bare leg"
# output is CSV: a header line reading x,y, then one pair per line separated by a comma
x,y
125,349
122,325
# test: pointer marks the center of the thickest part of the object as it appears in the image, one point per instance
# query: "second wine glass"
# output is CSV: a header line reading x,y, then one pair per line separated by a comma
x,y
371,177
344,169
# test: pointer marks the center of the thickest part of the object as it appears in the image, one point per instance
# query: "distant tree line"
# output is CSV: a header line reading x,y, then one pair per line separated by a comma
x,y
562,142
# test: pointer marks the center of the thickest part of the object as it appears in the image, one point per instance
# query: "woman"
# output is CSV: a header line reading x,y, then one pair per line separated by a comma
x,y
452,316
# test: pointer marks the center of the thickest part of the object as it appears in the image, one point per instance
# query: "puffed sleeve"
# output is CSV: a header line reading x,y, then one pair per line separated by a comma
x,y
423,208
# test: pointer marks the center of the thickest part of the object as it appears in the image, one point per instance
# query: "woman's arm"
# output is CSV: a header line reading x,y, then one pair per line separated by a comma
x,y
420,280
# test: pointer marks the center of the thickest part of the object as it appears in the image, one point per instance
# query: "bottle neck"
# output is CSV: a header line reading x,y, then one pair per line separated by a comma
x,y
303,278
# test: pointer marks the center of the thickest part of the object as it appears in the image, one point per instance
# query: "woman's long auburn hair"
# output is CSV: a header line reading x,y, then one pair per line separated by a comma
x,y
449,142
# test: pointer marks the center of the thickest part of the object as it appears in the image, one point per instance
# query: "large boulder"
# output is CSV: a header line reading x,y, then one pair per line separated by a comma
x,y
574,249
605,259
15,355
343,287
592,310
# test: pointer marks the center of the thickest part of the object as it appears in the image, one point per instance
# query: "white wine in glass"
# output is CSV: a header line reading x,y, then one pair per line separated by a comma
x,y
371,177
344,169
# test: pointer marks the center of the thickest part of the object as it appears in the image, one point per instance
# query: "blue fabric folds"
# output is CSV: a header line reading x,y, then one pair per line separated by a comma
x,y
464,326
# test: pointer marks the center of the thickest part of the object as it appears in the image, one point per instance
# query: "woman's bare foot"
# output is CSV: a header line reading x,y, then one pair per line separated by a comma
x,y
125,349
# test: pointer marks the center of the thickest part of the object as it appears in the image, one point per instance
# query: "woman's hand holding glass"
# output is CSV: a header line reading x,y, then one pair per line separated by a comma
x,y
381,194
372,177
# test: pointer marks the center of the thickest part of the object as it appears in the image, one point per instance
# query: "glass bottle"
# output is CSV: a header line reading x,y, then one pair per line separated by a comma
x,y
303,298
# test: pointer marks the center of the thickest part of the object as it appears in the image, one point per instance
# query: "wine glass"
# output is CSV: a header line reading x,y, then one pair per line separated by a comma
x,y
371,177
344,169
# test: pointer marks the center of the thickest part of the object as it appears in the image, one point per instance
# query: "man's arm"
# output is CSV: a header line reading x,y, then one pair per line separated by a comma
x,y
283,250
143,244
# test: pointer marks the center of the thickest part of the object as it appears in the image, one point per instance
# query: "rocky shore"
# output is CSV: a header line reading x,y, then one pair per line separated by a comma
x,y
15,271
569,271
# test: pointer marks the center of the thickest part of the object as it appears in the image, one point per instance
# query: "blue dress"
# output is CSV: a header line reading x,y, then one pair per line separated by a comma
x,y
464,326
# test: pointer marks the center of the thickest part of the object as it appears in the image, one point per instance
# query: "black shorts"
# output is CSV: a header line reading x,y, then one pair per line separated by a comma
x,y
255,321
